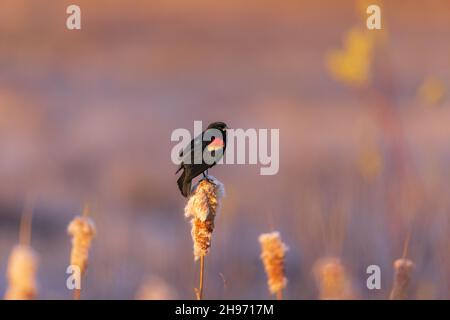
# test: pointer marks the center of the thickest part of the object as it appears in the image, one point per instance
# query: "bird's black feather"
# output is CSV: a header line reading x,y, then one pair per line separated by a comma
x,y
192,164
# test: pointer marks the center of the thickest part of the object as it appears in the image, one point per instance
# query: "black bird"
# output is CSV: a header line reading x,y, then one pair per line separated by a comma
x,y
193,162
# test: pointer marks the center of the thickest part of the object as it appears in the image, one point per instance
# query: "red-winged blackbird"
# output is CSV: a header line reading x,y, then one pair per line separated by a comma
x,y
194,159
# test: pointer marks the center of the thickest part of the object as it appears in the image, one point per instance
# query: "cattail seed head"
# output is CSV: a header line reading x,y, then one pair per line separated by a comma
x,y
155,288
273,251
82,230
21,274
402,279
332,279
202,208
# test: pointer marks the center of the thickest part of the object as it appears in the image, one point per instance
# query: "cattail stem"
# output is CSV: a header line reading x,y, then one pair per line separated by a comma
x,y
25,226
77,294
280,294
199,291
406,245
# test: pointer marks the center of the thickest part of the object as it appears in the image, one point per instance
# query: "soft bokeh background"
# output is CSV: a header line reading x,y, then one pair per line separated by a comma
x,y
87,115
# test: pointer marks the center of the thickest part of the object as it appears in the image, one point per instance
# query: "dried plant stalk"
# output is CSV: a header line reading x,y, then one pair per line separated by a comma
x,y
82,230
155,288
21,274
402,279
202,208
332,280
273,251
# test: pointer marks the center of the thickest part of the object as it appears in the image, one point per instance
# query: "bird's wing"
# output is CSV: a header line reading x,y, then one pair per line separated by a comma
x,y
188,154
193,152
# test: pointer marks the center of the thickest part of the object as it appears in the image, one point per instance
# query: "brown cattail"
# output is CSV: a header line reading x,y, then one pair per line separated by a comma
x,y
202,208
155,288
273,251
82,230
332,280
21,274
402,279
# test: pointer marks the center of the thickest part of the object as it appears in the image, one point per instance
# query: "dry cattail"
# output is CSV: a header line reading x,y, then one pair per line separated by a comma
x,y
432,91
82,230
21,274
202,208
402,279
273,251
332,280
353,64
155,288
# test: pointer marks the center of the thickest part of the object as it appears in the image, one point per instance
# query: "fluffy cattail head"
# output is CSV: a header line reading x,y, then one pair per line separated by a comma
x,y
202,207
402,279
21,274
155,288
273,251
82,230
332,279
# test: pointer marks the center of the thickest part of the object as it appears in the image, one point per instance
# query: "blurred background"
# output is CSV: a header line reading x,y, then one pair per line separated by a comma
x,y
364,140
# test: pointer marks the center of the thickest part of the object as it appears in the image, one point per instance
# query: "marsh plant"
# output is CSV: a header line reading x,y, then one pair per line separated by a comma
x,y
202,208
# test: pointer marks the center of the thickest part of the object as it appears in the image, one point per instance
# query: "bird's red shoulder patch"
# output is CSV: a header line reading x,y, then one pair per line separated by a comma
x,y
216,144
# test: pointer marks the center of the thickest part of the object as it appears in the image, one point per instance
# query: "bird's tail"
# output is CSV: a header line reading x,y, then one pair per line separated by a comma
x,y
184,185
